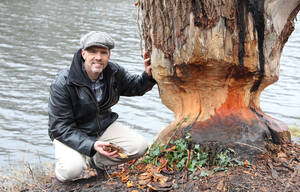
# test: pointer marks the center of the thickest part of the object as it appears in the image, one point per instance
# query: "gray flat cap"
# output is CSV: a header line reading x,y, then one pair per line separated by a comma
x,y
97,38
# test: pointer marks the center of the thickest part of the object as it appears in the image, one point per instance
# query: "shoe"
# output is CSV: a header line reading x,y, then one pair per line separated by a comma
x,y
100,173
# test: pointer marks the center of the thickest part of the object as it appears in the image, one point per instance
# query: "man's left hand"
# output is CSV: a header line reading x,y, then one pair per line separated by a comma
x,y
147,63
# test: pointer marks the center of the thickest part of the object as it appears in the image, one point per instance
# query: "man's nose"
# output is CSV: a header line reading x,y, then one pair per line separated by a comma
x,y
99,56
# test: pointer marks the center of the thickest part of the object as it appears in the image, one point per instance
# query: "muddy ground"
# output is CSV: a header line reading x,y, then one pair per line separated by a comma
x,y
278,169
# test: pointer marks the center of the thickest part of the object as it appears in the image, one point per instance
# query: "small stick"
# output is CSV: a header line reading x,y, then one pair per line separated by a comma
x,y
250,146
107,173
294,174
138,4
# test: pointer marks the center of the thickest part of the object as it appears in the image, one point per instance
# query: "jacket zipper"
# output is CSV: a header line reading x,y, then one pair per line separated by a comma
x,y
90,93
110,90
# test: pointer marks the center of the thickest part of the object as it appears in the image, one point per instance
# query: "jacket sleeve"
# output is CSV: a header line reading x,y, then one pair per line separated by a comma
x,y
62,125
134,85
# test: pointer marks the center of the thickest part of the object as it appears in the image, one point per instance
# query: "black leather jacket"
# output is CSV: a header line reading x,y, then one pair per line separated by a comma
x,y
75,117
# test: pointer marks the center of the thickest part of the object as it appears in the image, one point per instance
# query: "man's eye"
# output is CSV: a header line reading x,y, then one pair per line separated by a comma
x,y
104,52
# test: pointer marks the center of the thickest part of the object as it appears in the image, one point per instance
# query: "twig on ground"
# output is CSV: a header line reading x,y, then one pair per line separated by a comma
x,y
293,175
250,146
27,165
287,166
107,172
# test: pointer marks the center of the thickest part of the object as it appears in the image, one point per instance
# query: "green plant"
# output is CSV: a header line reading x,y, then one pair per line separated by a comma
x,y
295,130
181,154
154,153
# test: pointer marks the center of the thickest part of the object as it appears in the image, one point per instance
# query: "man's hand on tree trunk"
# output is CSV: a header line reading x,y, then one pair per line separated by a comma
x,y
147,63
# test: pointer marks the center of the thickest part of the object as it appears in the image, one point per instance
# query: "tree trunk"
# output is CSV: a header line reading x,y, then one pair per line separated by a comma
x,y
212,59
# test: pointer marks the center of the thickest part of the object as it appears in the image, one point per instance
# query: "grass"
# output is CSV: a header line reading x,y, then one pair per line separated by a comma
x,y
295,130
26,178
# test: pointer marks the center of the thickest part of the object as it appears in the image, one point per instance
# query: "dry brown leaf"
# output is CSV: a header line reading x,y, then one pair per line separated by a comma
x,y
88,185
125,178
174,165
163,162
158,187
152,187
149,166
170,149
246,163
246,172
92,173
281,155
170,168
157,177
111,147
134,191
144,176
220,185
111,183
129,184
144,182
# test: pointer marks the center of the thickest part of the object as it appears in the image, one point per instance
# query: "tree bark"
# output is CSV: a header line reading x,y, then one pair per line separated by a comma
x,y
212,59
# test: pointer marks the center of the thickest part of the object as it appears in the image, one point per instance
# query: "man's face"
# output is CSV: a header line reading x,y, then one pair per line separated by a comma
x,y
96,59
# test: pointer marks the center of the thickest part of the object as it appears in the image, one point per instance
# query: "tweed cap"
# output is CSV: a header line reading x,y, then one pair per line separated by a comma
x,y
96,38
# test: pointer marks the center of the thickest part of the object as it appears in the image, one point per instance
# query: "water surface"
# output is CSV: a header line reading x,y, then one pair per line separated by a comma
x,y
39,37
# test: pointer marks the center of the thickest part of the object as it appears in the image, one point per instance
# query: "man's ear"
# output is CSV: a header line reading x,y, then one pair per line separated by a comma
x,y
83,52
109,54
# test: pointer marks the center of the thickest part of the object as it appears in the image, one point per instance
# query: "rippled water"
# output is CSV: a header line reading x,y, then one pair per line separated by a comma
x,y
39,37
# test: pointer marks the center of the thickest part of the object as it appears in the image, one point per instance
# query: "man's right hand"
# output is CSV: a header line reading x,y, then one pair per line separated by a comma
x,y
99,147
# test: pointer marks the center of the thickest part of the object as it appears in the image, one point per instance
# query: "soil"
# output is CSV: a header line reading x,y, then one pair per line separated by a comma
x,y
277,169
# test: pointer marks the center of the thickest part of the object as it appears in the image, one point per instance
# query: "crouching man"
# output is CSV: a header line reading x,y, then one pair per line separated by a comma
x,y
81,122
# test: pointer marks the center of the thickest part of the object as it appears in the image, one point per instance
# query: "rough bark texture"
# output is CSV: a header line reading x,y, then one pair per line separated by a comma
x,y
212,59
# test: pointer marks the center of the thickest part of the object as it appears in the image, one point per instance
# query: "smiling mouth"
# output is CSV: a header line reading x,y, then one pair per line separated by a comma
x,y
101,64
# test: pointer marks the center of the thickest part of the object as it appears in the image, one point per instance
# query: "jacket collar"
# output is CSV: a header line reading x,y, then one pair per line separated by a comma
x,y
79,76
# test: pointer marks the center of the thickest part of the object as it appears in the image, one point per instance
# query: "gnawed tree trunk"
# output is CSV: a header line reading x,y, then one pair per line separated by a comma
x,y
212,59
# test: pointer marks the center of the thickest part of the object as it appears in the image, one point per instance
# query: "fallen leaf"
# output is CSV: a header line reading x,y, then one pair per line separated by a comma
x,y
144,182
129,184
246,163
161,179
144,176
134,191
274,174
246,172
92,173
157,187
281,155
170,149
151,187
162,164
220,185
125,178
88,185
111,183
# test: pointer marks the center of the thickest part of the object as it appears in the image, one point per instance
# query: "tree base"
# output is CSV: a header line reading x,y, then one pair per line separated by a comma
x,y
276,170
243,127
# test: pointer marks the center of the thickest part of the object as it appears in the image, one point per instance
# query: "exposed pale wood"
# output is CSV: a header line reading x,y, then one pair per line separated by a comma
x,y
212,59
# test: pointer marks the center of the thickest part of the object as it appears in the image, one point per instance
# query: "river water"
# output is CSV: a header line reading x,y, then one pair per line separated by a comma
x,y
39,37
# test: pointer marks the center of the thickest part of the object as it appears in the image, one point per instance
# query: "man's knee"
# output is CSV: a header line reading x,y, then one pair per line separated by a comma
x,y
69,169
139,147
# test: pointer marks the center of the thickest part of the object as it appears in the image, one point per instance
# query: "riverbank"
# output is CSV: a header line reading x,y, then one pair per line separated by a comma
x,y
278,169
